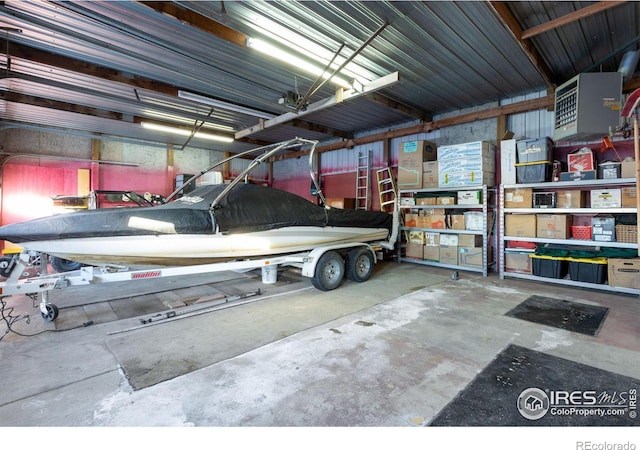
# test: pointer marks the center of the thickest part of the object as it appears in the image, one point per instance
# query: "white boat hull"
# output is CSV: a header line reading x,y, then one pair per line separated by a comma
x,y
190,249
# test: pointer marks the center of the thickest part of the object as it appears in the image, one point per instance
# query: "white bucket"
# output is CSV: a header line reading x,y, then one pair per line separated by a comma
x,y
270,274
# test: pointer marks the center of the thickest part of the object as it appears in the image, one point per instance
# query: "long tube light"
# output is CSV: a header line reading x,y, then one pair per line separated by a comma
x,y
224,105
289,58
185,132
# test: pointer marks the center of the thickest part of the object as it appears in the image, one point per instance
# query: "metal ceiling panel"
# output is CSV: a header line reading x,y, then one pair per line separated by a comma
x,y
595,43
450,56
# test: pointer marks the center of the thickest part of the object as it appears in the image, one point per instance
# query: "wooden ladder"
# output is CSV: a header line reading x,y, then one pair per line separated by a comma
x,y
386,189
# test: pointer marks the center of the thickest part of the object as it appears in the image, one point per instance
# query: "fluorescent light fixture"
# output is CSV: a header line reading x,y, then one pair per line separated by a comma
x,y
185,132
289,58
305,42
223,105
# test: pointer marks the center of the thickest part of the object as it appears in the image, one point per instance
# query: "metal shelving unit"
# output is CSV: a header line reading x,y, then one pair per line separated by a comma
x,y
487,206
552,186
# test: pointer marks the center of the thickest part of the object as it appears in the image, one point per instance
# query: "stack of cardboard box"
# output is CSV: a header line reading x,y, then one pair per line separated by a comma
x,y
411,156
469,164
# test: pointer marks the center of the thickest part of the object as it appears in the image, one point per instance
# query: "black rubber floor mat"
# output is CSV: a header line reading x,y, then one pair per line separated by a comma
x,y
564,314
522,387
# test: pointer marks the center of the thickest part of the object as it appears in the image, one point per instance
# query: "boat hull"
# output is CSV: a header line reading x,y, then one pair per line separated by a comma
x,y
190,249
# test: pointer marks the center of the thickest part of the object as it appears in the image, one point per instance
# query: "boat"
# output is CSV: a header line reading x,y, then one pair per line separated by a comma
x,y
213,223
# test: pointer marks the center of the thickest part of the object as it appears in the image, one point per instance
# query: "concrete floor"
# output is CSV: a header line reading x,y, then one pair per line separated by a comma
x,y
390,352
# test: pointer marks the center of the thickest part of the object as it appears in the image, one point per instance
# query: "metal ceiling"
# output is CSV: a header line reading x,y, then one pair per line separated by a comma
x,y
100,68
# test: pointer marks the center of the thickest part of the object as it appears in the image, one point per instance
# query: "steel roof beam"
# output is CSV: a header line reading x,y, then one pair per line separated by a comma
x,y
508,19
568,18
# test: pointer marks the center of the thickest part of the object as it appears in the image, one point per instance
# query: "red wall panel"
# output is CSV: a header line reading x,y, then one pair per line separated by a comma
x,y
27,190
129,178
300,186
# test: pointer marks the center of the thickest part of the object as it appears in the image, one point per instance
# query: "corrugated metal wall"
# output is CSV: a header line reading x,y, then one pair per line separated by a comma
x,y
532,124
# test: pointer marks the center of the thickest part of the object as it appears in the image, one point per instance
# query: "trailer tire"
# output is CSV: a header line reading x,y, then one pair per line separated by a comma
x,y
360,264
329,271
6,264
64,265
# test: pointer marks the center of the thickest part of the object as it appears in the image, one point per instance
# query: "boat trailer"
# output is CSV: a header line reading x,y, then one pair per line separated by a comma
x,y
326,266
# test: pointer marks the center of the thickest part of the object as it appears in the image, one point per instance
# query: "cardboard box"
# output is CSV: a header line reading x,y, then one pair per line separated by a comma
x,y
553,226
427,150
469,197
448,254
410,220
465,178
425,201
629,198
414,250
470,257
581,160
606,198
508,161
411,155
446,201
424,220
407,201
624,272
416,237
469,164
628,169
603,228
409,177
456,222
342,203
470,240
449,240
430,174
432,238
520,225
432,253
517,262
478,164
578,176
468,150
438,221
474,220
518,198
570,199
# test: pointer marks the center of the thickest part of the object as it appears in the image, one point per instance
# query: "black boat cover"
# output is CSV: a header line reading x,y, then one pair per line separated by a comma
x,y
247,208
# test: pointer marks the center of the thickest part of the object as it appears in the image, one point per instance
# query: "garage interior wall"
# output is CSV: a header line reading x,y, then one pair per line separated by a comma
x,y
28,182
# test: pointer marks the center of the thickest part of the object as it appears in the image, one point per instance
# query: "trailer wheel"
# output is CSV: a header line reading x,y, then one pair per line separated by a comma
x,y
51,314
64,265
359,265
329,271
6,263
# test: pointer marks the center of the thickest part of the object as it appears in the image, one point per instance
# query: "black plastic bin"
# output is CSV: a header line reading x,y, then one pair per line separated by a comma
x,y
549,266
533,172
588,270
